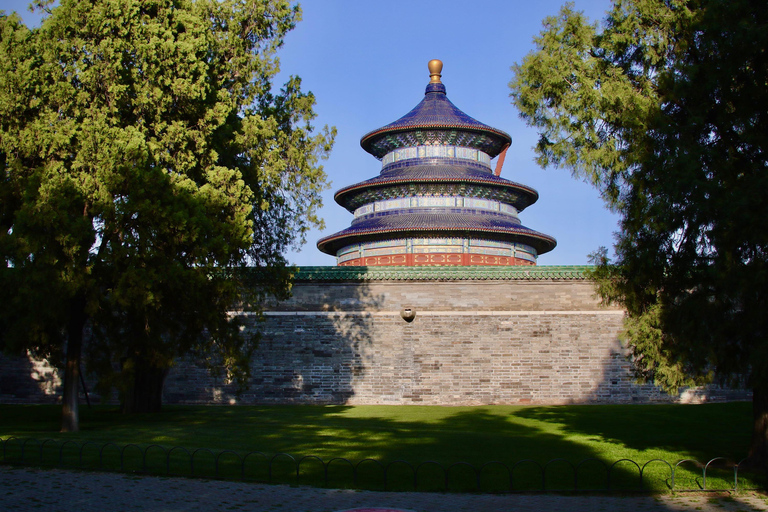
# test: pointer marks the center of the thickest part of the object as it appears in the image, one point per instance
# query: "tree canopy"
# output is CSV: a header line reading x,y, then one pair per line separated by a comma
x,y
664,108
145,158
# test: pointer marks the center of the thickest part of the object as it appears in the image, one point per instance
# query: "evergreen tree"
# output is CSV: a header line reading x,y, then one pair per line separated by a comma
x,y
145,160
665,110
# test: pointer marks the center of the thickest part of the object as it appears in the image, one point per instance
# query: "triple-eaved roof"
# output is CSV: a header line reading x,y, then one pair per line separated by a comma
x,y
435,151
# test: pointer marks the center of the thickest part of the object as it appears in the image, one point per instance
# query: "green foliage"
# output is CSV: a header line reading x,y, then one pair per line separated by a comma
x,y
592,92
145,157
664,109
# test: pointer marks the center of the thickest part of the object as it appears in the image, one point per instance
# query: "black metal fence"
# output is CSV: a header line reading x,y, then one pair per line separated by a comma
x,y
556,475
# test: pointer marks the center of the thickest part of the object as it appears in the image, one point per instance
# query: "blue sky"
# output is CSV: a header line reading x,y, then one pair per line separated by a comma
x,y
366,63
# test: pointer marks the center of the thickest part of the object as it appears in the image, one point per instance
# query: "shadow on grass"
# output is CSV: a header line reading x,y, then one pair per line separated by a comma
x,y
463,449
708,439
697,430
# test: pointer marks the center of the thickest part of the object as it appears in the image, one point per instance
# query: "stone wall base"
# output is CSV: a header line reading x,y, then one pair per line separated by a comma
x,y
471,342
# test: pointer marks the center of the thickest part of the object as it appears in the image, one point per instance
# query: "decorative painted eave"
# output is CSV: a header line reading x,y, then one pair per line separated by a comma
x,y
345,196
447,273
377,228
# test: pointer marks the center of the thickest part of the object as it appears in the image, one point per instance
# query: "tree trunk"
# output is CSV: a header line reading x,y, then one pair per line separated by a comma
x,y
758,452
146,393
70,417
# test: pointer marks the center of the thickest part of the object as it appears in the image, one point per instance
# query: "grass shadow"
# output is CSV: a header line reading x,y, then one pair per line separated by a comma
x,y
532,448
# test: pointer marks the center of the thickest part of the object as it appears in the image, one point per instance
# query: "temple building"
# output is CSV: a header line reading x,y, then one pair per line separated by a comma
x,y
437,200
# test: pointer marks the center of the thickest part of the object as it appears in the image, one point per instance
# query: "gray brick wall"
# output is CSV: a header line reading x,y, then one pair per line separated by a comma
x,y
471,343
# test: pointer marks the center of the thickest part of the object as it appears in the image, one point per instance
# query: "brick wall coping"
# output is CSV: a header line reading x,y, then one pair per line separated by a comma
x,y
475,273
451,313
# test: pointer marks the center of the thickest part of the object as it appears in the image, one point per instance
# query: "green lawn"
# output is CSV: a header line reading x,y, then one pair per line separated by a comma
x,y
446,435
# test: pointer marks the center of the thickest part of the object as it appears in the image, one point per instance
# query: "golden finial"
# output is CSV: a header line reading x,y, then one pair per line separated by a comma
x,y
435,68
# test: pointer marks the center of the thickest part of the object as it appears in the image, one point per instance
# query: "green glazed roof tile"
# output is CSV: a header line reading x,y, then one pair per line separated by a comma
x,y
447,273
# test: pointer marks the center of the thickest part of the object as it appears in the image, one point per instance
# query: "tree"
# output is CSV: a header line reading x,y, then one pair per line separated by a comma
x,y
145,161
664,109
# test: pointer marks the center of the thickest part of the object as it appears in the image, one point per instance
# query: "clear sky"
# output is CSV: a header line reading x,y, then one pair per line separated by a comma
x,y
366,63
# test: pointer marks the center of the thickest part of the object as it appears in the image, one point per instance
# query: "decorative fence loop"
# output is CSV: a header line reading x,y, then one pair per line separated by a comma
x,y
386,472
24,445
195,453
168,459
146,450
736,472
272,460
223,452
21,451
122,454
430,463
328,464
245,459
101,453
639,471
674,473
671,470
592,460
315,457
704,474
378,463
42,447
61,451
544,473
527,461
455,464
82,449
5,444
494,463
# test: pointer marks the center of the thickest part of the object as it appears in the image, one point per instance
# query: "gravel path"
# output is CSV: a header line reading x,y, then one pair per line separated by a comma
x,y
23,489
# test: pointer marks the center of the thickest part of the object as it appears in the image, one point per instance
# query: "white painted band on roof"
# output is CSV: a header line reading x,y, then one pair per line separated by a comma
x,y
436,151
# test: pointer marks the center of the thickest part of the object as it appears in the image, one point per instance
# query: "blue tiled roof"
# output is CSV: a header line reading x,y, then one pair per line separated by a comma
x,y
438,217
446,221
437,167
434,112
425,173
